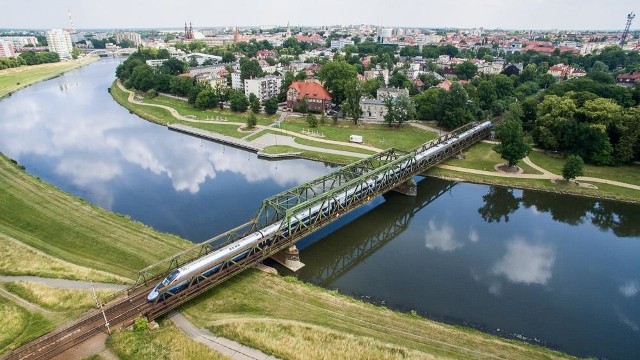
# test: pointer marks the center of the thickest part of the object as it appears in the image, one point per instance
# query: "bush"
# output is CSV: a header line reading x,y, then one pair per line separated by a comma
x,y
312,120
140,324
152,93
252,121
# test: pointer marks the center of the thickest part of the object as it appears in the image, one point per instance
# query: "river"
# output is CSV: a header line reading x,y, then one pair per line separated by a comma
x,y
556,270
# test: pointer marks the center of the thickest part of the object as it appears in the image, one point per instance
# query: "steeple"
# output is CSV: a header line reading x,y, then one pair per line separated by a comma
x,y
288,30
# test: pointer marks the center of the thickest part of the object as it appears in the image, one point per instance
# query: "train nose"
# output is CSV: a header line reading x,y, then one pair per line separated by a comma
x,y
152,295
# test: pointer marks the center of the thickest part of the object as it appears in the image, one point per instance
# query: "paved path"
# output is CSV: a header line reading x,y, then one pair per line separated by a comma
x,y
63,283
267,140
227,347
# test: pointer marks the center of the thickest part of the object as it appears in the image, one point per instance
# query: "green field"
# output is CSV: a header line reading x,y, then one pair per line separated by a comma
x,y
625,173
481,156
16,78
293,320
71,229
19,326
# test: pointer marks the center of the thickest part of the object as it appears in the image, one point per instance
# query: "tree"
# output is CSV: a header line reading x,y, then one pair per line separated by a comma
x,y
237,101
271,106
173,66
427,103
573,167
250,69
254,103
512,146
399,109
75,52
335,76
193,62
351,105
312,120
252,121
466,70
454,108
399,80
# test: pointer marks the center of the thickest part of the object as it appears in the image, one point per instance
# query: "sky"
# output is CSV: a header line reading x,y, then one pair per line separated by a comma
x,y
490,14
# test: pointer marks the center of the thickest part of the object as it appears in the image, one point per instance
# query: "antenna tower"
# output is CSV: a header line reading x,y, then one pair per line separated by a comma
x,y
625,33
72,29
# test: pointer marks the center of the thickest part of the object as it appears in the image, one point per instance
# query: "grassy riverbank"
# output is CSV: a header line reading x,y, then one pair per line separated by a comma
x,y
14,79
52,223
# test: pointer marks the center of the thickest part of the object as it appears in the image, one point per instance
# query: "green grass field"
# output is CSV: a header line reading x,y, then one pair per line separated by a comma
x,y
481,156
71,229
625,173
293,320
16,78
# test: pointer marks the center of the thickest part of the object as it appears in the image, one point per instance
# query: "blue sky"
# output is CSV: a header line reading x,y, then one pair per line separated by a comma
x,y
508,14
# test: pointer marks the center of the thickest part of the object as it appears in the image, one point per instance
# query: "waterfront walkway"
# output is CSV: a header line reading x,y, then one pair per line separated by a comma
x,y
287,138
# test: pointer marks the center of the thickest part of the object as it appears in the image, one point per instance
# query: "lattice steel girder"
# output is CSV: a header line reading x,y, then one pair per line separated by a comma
x,y
274,208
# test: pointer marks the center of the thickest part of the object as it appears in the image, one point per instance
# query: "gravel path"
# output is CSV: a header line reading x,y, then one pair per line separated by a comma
x,y
63,283
227,347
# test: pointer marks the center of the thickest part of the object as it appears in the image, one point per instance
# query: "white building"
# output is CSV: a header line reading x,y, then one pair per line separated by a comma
x,y
131,36
60,43
236,81
373,109
338,44
21,41
264,87
6,49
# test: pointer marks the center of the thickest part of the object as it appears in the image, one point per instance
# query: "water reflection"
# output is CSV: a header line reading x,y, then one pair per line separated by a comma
x,y
500,202
630,289
526,263
70,132
440,237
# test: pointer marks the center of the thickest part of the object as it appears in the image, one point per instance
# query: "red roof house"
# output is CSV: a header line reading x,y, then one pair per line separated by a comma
x,y
315,94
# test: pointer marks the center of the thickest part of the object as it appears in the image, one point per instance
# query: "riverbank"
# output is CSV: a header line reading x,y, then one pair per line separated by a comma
x,y
248,298
14,79
289,139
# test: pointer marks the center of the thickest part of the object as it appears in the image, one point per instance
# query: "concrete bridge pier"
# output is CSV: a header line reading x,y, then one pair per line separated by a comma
x,y
289,258
409,188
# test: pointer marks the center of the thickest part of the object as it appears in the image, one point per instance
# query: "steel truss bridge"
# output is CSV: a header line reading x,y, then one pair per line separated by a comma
x,y
114,52
338,193
335,194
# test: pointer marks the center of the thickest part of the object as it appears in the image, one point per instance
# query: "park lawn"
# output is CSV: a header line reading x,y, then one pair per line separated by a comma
x,y
603,190
481,156
624,173
224,129
404,137
16,78
186,109
69,228
318,144
294,320
19,326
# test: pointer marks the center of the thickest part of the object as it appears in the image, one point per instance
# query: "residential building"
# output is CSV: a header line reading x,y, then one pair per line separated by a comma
x,y
21,41
377,72
131,36
236,81
393,92
562,71
312,91
628,79
6,49
338,44
264,87
217,82
373,109
60,43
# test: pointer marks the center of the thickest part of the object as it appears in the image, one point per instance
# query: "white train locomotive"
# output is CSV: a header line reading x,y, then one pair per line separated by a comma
x,y
207,265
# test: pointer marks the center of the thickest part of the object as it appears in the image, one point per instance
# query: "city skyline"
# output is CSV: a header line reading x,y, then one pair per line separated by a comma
x,y
490,14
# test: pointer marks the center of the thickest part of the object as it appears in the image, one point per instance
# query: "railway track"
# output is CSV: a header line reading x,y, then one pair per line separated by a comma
x,y
119,313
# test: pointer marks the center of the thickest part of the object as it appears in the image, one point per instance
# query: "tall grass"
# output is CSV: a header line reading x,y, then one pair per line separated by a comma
x,y
19,326
166,342
55,299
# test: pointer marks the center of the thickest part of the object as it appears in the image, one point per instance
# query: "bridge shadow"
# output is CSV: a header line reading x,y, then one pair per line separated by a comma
x,y
355,239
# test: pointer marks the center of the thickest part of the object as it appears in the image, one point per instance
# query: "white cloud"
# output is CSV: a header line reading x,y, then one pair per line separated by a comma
x,y
473,236
630,289
441,238
526,263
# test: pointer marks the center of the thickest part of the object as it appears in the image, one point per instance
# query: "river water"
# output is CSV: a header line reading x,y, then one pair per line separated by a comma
x,y
556,270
